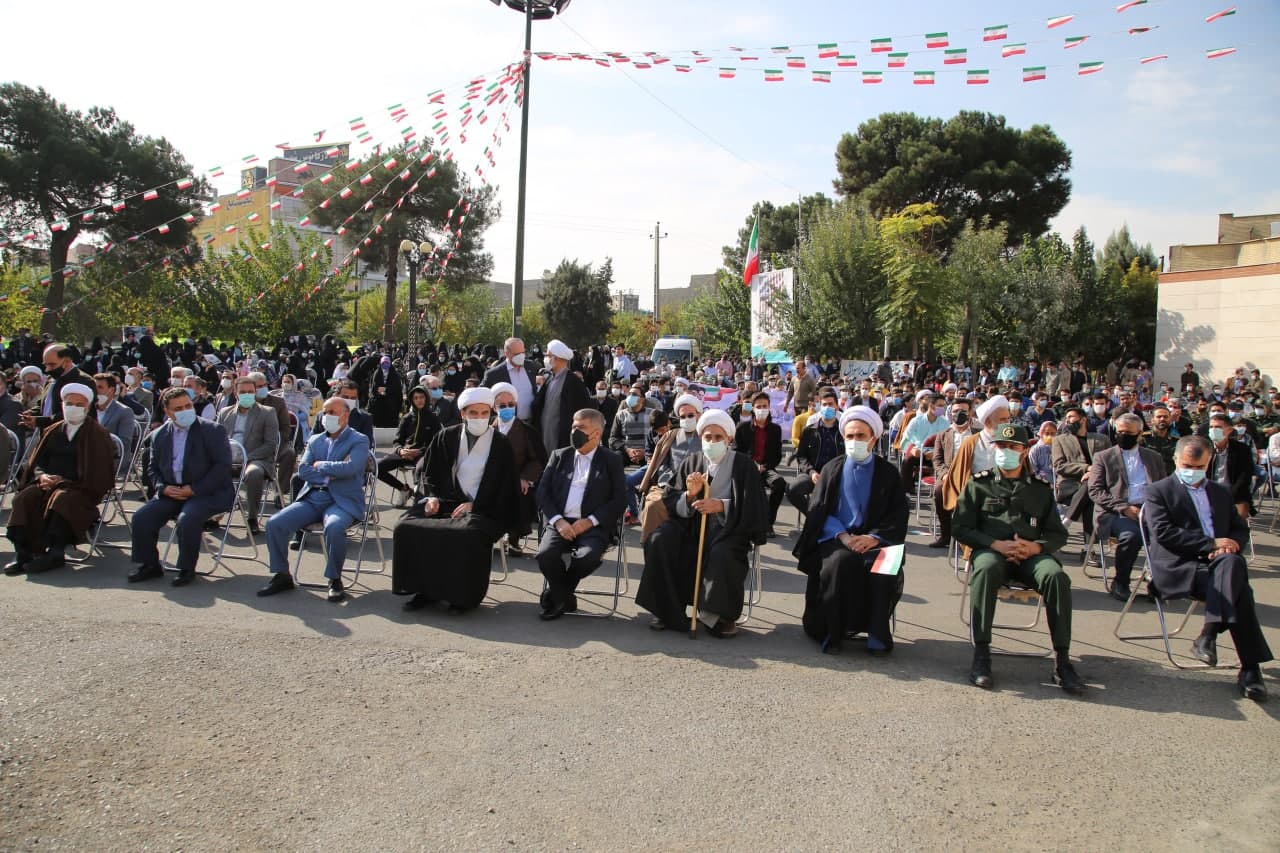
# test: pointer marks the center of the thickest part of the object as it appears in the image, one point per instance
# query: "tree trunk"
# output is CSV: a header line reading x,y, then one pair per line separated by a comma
x,y
967,335
389,306
59,248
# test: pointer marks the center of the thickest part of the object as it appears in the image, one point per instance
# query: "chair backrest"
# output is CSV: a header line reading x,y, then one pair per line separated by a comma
x,y
15,448
238,451
122,462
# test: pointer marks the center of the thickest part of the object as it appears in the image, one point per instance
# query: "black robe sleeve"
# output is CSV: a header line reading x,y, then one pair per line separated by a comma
x,y
748,513
497,497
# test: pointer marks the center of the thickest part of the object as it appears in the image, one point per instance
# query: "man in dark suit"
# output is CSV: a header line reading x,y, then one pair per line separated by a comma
x,y
361,421
559,397
1195,539
1232,464
446,411
1118,482
582,494
61,367
286,453
190,471
512,370
1073,453
761,440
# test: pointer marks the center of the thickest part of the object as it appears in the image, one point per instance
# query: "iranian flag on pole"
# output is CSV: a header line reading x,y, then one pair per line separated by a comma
x,y
752,267
978,77
1087,68
1219,52
1018,49
1032,74
999,32
956,56
828,51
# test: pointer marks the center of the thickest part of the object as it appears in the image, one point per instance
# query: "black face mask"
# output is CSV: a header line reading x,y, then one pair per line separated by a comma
x,y
578,439
1126,442
56,372
960,418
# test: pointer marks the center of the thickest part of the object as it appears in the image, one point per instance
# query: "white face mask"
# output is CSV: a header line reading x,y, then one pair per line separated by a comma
x,y
477,426
131,380
856,449
226,383
762,414
74,415
715,450
601,393
688,424
331,423
518,359
102,399
351,404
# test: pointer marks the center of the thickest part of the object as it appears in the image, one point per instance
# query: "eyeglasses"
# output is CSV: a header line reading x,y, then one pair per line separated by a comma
x,y
506,406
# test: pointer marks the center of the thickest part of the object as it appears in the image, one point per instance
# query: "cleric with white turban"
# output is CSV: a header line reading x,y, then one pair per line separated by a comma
x,y
717,490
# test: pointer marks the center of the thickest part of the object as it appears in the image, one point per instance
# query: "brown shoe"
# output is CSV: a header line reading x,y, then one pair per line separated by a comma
x,y
725,629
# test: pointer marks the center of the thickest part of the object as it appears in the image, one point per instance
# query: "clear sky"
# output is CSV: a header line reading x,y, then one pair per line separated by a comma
x,y
1164,147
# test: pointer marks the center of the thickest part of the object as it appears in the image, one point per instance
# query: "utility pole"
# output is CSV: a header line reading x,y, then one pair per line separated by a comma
x,y
517,284
657,237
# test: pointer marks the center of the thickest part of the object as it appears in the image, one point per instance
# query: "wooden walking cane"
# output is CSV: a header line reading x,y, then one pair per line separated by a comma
x,y
697,575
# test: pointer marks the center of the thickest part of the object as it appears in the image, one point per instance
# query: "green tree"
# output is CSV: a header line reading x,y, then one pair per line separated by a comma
x,y
843,284
389,210
56,163
977,270
1040,303
18,310
972,167
779,231
917,301
634,330
577,303
721,316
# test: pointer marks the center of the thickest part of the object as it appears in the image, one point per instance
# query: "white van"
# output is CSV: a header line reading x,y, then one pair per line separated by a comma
x,y
675,350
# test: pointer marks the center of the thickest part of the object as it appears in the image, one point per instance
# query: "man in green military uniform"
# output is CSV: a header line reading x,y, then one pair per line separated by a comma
x,y
1009,520
1160,437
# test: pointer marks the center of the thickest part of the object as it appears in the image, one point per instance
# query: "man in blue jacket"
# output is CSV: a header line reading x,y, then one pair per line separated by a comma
x,y
333,471
190,473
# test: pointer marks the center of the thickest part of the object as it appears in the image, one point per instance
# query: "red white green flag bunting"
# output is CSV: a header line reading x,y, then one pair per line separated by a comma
x,y
936,40
1130,4
822,76
1147,60
922,78
883,45
1219,52
1087,68
1059,21
977,77
795,62
1033,73
1017,49
773,75
898,60
1074,41
999,32
828,51
727,73
872,77
1217,16
847,60
956,56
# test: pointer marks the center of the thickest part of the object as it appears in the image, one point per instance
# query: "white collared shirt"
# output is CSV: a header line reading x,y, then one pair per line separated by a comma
x,y
519,378
1136,473
578,487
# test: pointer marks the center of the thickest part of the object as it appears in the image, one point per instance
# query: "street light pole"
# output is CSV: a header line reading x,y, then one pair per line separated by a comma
x,y
657,236
414,256
517,285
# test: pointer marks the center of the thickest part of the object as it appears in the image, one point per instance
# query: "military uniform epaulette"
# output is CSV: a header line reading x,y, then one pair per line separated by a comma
x,y
978,475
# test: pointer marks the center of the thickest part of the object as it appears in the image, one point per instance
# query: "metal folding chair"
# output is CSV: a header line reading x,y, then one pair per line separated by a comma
x,y
17,458
370,483
1011,591
621,578
755,584
1160,601
110,502
238,504
924,481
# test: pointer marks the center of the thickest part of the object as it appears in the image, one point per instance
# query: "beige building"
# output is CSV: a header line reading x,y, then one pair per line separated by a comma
x,y
1219,303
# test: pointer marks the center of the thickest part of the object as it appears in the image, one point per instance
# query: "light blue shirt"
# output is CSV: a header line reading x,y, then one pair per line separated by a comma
x,y
920,429
1136,473
179,450
1200,497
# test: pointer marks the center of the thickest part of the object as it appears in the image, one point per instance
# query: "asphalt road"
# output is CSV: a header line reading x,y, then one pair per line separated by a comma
x,y
143,717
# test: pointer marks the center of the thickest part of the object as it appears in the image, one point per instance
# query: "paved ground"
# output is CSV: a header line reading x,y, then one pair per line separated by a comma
x,y
205,718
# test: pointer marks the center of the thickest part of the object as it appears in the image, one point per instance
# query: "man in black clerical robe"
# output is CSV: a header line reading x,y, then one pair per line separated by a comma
x,y
738,518
443,547
858,507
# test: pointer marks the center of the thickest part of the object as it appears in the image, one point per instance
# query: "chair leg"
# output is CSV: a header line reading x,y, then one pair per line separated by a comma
x,y
501,547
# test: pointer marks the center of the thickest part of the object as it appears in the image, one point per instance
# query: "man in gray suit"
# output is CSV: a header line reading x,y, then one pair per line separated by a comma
x,y
1073,453
1118,481
114,416
257,429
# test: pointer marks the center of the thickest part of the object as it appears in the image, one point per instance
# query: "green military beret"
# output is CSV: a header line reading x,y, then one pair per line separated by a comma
x,y
1012,433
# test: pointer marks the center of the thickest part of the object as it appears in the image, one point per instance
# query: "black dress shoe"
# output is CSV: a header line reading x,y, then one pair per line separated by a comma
x,y
280,582
17,567
336,592
1250,683
145,573
1121,591
211,526
184,578
657,625
47,561
254,528
1205,649
557,610
940,543
980,670
419,601
1066,677
296,543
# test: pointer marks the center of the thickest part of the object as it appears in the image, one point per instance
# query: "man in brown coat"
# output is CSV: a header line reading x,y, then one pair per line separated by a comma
x,y
60,490
945,449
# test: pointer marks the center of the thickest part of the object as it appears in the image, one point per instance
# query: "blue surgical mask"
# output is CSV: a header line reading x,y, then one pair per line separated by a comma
x,y
1008,459
632,401
507,415
185,418
1216,434
437,393
191,392
715,450
1191,476
897,401
262,393
828,413
148,384
246,400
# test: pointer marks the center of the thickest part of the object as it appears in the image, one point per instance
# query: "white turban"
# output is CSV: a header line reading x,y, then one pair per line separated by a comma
x,y
950,386
77,388
559,349
471,396
504,388
720,419
988,408
688,399
922,393
682,382
867,415
31,370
